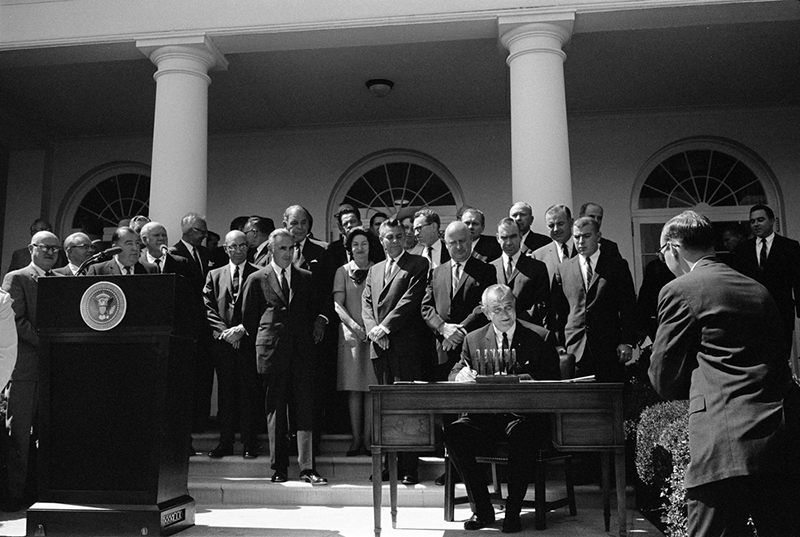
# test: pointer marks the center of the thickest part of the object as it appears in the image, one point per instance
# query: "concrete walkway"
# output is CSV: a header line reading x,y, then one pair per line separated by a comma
x,y
320,521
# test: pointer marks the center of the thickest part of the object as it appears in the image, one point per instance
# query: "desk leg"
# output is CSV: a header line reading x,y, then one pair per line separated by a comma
x,y
622,513
393,486
605,483
377,488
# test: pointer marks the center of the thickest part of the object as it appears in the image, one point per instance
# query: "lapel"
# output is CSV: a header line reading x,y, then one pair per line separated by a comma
x,y
226,286
489,341
272,277
389,281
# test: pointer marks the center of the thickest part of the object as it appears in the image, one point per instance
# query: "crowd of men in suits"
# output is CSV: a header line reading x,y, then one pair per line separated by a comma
x,y
265,320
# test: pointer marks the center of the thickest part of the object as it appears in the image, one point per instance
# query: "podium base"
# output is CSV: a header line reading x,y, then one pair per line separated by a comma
x,y
47,519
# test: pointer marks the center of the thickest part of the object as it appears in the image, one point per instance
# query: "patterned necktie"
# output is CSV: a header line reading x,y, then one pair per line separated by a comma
x,y
564,252
429,255
284,286
236,282
456,277
158,264
589,272
509,269
762,256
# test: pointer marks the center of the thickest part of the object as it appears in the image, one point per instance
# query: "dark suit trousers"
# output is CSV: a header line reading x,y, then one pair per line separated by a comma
x,y
288,391
22,409
722,508
477,434
237,393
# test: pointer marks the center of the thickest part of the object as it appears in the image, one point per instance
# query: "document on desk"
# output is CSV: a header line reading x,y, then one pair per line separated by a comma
x,y
587,378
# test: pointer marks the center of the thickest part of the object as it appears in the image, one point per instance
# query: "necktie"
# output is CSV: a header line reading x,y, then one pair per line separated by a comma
x,y
236,281
504,348
197,260
589,272
509,269
389,269
762,256
48,273
564,252
456,277
127,271
158,265
284,286
429,254
296,258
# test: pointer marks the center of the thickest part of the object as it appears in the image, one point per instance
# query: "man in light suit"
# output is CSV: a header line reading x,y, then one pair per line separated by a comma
x,y
280,316
451,307
22,286
777,268
401,348
716,346
484,247
597,287
527,277
429,244
155,257
257,230
237,392
78,247
124,263
522,214
474,433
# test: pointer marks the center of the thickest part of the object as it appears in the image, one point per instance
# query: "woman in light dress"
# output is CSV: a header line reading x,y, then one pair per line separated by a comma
x,y
354,369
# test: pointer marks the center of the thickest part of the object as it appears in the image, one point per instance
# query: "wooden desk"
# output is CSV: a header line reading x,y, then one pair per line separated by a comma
x,y
588,417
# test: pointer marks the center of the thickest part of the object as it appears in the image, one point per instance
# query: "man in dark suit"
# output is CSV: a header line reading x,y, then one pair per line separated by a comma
x,y
429,244
23,395
193,231
470,435
124,263
156,258
348,218
78,247
280,315
451,306
237,392
391,308
597,287
22,256
773,261
522,214
593,210
257,230
716,346
526,276
484,247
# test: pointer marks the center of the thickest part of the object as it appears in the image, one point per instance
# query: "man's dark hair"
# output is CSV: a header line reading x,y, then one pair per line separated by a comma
x,y
430,216
376,215
693,230
119,231
558,208
262,224
238,223
390,223
473,210
765,208
347,210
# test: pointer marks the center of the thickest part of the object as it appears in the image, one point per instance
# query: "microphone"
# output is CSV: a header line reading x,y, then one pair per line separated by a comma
x,y
164,249
105,255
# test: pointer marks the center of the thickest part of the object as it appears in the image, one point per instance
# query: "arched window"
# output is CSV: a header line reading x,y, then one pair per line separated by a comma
x,y
718,178
109,193
392,180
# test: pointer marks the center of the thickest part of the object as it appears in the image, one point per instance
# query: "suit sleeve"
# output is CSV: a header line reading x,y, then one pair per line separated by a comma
x,y
251,306
210,292
411,301
674,354
465,360
26,332
367,313
429,312
476,319
8,339
541,295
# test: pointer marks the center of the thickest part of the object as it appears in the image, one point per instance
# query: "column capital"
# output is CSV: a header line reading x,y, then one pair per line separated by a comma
x,y
547,32
194,47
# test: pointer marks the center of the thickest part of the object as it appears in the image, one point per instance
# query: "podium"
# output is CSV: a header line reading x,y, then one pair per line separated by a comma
x,y
114,406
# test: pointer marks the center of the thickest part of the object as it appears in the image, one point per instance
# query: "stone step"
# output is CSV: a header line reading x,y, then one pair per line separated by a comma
x,y
329,443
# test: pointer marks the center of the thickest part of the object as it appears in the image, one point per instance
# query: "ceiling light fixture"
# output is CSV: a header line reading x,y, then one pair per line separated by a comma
x,y
380,87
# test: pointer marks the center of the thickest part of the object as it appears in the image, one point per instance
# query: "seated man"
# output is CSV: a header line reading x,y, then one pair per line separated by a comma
x,y
476,433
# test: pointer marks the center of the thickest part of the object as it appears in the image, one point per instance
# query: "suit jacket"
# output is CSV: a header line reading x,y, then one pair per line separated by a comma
x,y
280,333
715,346
441,306
533,241
548,255
263,258
197,277
22,285
223,310
111,268
535,356
397,306
781,274
487,249
599,319
173,264
530,286
444,255
609,246
64,271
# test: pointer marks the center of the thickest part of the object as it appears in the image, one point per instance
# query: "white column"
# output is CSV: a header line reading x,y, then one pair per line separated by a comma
x,y
540,170
180,136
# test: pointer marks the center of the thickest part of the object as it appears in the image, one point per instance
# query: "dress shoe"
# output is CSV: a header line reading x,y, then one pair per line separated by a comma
x,y
478,522
311,476
279,477
221,451
250,453
410,479
512,524
193,452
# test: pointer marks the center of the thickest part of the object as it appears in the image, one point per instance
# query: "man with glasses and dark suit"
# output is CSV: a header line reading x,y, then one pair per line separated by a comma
x,y
22,285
